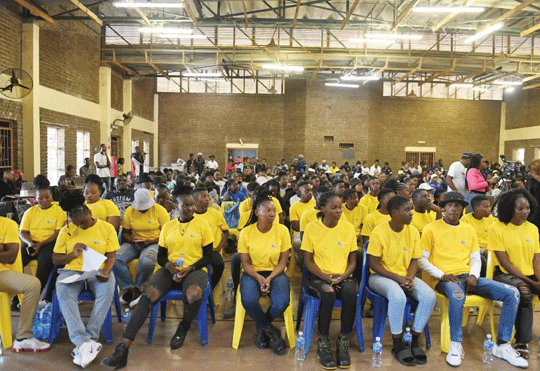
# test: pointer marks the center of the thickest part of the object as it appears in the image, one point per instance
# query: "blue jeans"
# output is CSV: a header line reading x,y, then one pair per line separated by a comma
x,y
469,197
485,288
68,294
279,295
147,262
397,299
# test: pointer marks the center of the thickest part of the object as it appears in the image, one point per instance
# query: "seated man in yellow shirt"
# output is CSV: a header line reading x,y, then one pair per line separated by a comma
x,y
424,211
370,200
451,255
295,214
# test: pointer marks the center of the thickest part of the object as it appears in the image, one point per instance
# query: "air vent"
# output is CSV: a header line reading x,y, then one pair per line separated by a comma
x,y
346,145
328,138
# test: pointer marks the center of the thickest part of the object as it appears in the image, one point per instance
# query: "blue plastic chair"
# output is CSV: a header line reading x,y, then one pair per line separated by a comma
x,y
56,316
380,305
202,316
309,306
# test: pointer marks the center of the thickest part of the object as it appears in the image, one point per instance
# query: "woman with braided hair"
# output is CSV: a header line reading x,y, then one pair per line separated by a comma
x,y
84,232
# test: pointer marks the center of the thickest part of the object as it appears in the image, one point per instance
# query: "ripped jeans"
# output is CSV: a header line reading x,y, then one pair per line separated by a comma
x,y
485,288
147,262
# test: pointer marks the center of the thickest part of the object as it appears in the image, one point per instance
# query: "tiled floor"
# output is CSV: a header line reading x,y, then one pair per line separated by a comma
x,y
219,355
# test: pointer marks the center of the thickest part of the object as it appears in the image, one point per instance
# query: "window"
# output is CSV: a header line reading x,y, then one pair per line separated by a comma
x,y
114,147
328,138
146,149
6,144
537,153
56,154
83,147
346,145
416,158
518,154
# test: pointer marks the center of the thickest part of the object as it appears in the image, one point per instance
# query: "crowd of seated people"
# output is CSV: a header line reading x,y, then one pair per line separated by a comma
x,y
172,222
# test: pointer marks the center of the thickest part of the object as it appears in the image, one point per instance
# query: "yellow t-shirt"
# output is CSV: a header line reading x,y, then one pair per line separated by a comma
x,y
246,205
449,246
296,210
333,169
145,226
217,223
480,226
101,237
264,249
370,202
355,216
42,223
307,217
102,209
330,246
519,242
9,233
396,249
420,220
186,238
372,220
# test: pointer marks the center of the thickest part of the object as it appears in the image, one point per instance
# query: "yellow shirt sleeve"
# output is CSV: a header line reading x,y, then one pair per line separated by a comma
x,y
245,206
375,245
367,227
162,235
112,239
111,208
222,223
62,218
126,221
307,243
162,215
286,243
25,222
11,233
426,241
417,252
495,240
207,236
60,247
242,243
277,205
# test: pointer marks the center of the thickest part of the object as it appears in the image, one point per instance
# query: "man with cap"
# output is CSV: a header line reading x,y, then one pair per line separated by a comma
x,y
324,166
434,182
212,163
424,211
199,163
451,255
302,163
141,227
457,174
144,181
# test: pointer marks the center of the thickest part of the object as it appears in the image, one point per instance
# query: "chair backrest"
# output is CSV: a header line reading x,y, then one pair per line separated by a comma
x,y
365,269
491,263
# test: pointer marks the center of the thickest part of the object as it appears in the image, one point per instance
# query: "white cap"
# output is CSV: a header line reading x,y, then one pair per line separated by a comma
x,y
425,186
142,200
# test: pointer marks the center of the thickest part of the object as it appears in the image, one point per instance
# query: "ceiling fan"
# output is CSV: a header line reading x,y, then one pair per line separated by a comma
x,y
15,83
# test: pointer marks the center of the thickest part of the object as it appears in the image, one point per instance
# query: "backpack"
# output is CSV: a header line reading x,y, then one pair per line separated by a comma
x,y
231,213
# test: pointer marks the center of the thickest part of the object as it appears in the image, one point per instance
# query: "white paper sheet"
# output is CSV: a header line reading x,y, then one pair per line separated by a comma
x,y
79,277
92,260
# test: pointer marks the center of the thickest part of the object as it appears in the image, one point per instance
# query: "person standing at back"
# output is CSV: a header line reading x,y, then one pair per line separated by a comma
x,y
103,165
137,158
457,174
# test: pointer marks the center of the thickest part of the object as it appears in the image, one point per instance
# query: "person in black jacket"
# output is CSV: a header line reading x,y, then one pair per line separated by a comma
x,y
6,185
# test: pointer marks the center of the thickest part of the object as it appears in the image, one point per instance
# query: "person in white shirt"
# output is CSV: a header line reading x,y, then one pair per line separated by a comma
x,y
364,168
324,165
457,174
375,169
212,164
103,165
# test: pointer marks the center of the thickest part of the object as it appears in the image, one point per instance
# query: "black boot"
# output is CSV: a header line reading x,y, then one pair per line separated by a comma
x,y
343,358
178,339
278,344
118,359
324,353
261,339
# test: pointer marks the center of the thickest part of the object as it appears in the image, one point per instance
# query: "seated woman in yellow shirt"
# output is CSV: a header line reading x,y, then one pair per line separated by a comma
x,y
329,245
84,232
141,227
40,226
393,251
264,248
515,243
101,209
185,248
379,216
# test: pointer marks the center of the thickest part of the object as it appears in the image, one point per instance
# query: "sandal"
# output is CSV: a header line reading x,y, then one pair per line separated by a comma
x,y
405,357
419,356
523,350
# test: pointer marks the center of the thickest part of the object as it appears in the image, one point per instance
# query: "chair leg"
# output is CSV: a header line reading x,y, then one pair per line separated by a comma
x,y
117,306
482,310
300,310
163,305
210,303
5,320
445,327
428,337
492,322
55,317
359,327
152,323
289,326
107,328
238,321
202,316
311,306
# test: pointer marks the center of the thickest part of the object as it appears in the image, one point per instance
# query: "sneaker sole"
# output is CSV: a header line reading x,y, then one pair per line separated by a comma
x,y
326,368
30,350
452,365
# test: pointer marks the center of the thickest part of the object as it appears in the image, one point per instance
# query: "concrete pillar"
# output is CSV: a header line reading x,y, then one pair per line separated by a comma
x,y
502,129
128,107
105,106
156,132
30,103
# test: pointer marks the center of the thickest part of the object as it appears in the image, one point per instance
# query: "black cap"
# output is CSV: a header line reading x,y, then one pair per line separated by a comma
x,y
453,197
144,178
467,155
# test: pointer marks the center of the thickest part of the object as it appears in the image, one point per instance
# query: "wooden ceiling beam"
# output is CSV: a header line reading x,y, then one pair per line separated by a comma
x,y
143,16
509,13
449,17
190,12
531,86
35,11
405,13
296,14
245,13
349,13
87,11
536,27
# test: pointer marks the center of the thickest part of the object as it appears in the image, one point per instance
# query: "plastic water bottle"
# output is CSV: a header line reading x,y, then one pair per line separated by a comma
x,y
539,346
407,337
229,293
180,263
300,344
126,316
488,350
1,347
376,360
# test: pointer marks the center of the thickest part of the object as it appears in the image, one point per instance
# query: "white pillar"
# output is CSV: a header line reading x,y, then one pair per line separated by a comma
x,y
502,129
156,128
105,106
128,107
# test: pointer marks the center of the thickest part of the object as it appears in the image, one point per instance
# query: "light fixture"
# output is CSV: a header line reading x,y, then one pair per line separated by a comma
x,y
502,82
487,31
359,78
461,85
449,9
281,67
393,36
201,74
366,40
342,85
509,90
272,46
166,30
148,5
181,36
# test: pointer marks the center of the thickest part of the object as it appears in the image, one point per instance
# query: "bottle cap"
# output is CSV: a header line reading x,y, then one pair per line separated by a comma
x,y
300,333
377,339
408,328
489,336
127,310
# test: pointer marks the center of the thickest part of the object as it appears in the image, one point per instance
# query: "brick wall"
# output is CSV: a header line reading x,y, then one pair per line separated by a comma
x,y
143,136
117,91
69,59
522,108
143,98
189,123
529,145
71,124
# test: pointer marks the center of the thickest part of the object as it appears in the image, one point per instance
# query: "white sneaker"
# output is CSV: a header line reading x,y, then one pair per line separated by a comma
x,y
89,352
76,354
135,302
455,354
30,345
510,355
